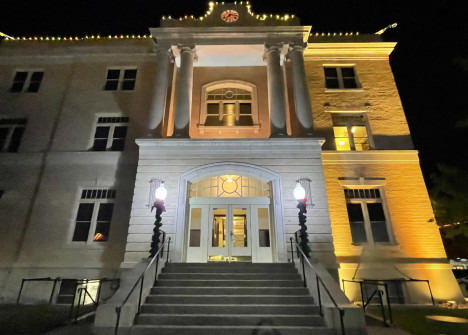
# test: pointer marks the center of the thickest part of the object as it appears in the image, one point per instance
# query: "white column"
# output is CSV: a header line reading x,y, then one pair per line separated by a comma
x,y
301,91
276,98
183,92
158,103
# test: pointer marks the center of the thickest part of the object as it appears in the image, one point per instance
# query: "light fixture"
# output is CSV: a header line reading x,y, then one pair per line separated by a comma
x,y
341,142
161,192
229,179
299,192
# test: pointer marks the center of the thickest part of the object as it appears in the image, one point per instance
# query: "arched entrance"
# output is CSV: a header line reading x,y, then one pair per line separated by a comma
x,y
232,213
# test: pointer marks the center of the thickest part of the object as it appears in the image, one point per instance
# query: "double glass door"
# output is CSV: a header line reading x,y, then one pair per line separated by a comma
x,y
229,232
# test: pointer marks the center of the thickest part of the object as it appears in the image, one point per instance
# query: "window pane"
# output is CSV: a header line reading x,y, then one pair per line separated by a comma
x,y
245,121
195,227
358,232
240,227
102,231
376,212
212,109
218,231
37,76
245,108
355,212
85,212
113,74
347,72
100,145
81,231
34,87
332,83
130,74
120,132
263,228
379,231
128,85
330,72
105,212
349,83
16,139
111,85
118,144
102,132
21,76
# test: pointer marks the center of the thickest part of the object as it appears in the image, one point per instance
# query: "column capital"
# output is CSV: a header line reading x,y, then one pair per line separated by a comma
x,y
179,49
164,49
281,48
296,47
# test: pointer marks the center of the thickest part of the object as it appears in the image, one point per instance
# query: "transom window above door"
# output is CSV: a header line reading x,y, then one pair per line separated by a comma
x,y
229,104
233,186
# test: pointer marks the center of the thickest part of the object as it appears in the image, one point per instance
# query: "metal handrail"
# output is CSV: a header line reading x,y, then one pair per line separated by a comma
x,y
141,278
56,280
318,281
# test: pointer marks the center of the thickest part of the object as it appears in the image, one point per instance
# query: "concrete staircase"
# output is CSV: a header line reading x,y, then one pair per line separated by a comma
x,y
229,299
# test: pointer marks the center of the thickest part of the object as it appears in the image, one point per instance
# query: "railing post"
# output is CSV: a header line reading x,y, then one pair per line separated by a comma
x,y
98,295
141,293
53,290
292,249
319,296
388,304
430,291
362,297
20,291
303,270
117,321
381,306
156,269
168,249
343,332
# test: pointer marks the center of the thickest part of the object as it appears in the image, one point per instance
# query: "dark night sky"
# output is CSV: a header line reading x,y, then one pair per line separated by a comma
x,y
430,62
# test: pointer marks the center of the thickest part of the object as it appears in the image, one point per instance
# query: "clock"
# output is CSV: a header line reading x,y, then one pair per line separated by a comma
x,y
229,15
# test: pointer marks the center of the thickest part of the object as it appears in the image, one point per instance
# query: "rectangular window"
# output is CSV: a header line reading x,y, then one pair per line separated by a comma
x,y
110,134
94,215
340,77
11,133
350,132
25,81
120,79
367,218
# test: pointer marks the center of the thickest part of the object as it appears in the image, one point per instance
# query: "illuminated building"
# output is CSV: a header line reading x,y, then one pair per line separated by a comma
x,y
229,110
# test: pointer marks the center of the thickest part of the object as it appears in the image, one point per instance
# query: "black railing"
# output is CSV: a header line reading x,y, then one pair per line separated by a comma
x,y
141,280
82,294
319,281
58,279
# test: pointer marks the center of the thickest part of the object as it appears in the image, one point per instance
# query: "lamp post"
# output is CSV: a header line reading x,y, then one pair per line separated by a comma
x,y
299,194
160,195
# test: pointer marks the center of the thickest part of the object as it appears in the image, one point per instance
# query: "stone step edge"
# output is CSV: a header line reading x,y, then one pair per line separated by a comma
x,y
232,305
221,295
227,327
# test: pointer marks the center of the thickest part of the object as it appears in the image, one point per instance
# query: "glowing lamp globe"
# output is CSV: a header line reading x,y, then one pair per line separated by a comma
x,y
161,192
299,192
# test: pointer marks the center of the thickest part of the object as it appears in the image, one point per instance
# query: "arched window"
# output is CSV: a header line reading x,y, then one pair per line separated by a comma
x,y
229,104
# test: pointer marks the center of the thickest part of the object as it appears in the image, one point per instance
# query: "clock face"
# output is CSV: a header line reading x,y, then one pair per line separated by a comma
x,y
229,16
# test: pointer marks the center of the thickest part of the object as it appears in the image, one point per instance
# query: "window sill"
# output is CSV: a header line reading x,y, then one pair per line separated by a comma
x,y
329,90
383,245
228,129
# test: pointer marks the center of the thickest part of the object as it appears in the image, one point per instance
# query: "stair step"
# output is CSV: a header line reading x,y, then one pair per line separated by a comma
x,y
264,328
229,268
230,283
229,299
230,290
227,320
230,275
229,309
